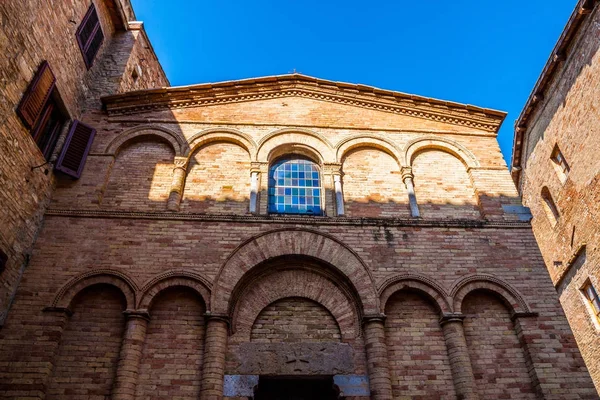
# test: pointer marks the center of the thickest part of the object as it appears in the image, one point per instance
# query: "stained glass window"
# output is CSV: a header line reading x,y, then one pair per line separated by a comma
x,y
295,187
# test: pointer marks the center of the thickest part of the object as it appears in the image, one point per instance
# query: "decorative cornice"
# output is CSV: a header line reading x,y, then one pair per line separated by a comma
x,y
290,219
308,87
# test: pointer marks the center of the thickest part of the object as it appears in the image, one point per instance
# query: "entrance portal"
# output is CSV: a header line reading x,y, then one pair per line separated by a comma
x,y
300,388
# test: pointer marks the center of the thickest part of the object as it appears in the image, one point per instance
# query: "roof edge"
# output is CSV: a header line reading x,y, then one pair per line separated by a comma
x,y
167,95
582,10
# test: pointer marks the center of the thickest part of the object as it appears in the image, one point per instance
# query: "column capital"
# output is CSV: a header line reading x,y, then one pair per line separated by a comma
x,y
332,169
406,173
180,162
367,319
454,317
133,314
217,317
258,167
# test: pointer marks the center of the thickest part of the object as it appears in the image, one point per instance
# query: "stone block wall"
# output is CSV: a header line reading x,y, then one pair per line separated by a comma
x,y
31,32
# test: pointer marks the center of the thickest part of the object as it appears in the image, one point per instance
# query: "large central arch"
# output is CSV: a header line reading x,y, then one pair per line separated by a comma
x,y
293,242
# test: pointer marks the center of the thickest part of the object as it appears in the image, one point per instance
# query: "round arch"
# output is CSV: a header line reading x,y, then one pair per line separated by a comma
x,y
294,137
295,242
367,141
228,135
508,294
177,142
413,147
274,285
64,297
421,283
169,279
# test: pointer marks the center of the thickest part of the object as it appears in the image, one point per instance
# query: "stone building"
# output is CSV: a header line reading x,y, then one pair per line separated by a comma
x,y
278,237
556,167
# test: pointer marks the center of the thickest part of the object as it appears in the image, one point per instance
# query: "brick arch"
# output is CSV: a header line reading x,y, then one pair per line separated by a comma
x,y
177,142
64,297
296,242
413,147
228,135
421,283
367,141
509,295
299,137
169,279
309,284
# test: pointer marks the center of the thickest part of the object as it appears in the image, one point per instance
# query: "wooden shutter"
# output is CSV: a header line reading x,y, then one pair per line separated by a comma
x,y
35,98
89,36
76,148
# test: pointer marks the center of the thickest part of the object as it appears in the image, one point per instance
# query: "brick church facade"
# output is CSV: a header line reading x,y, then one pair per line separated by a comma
x,y
557,171
277,237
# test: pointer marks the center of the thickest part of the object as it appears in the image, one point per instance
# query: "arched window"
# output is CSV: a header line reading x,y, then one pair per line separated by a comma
x,y
549,206
295,187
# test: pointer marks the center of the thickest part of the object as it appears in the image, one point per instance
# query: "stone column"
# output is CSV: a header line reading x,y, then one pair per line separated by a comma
x,y
263,186
377,360
407,178
131,354
215,347
254,188
177,184
458,354
339,196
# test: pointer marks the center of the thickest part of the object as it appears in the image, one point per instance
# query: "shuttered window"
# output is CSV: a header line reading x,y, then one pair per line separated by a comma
x,y
76,148
34,100
89,36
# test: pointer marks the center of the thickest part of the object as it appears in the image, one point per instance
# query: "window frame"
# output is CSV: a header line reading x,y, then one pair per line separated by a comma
x,y
84,47
550,207
593,300
560,163
271,171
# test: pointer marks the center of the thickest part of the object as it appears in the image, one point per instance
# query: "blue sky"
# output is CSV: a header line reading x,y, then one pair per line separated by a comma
x,y
481,52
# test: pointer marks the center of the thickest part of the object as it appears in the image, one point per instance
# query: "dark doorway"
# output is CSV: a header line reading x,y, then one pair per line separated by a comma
x,y
276,388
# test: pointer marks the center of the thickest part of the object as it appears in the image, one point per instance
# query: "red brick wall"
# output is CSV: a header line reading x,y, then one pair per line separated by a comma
x,y
31,32
373,185
295,320
443,187
570,118
496,354
417,351
171,365
140,177
218,180
89,349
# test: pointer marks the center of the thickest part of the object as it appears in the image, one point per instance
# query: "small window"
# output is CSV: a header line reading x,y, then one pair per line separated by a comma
x,y
3,260
40,112
549,206
560,164
89,36
295,187
592,296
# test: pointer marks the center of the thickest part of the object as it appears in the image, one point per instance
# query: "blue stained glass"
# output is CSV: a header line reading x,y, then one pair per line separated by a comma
x,y
289,180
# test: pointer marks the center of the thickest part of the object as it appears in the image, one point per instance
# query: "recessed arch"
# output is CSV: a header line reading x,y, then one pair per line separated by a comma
x,y
367,141
273,284
64,297
228,135
296,242
413,147
509,295
169,279
294,137
421,283
177,142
